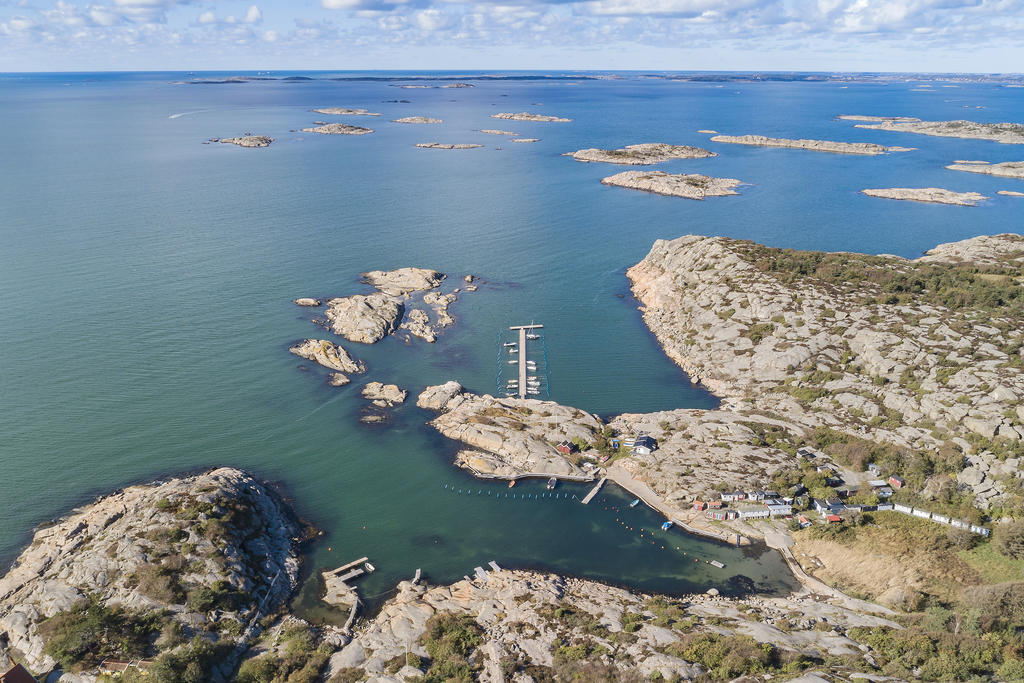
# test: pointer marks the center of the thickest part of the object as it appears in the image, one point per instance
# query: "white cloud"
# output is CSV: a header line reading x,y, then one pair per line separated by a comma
x,y
253,15
207,17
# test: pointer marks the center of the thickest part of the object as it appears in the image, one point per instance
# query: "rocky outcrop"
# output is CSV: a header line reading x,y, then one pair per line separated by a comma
x,y
510,436
384,395
329,355
447,145
874,119
1005,169
404,280
248,141
526,116
214,552
524,621
932,195
417,322
364,318
491,131
688,186
338,129
438,397
417,119
526,140
814,145
837,353
306,301
1010,193
641,155
1007,133
344,111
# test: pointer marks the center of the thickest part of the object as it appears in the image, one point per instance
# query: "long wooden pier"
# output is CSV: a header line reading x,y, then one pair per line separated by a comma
x,y
593,492
522,354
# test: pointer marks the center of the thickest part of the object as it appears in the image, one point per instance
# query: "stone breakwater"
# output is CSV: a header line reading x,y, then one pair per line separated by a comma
x,y
642,154
932,195
172,547
1006,133
688,186
813,145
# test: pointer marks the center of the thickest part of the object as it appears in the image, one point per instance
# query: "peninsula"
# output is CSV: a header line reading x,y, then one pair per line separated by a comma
x,y
1006,133
688,186
814,145
933,195
642,154
526,116
338,129
1004,169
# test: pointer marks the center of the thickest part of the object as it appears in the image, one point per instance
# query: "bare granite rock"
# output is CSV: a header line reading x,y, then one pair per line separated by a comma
x,y
875,119
417,119
688,186
338,129
446,145
1007,133
384,395
642,154
125,550
1005,169
249,141
328,354
404,280
932,195
417,322
491,131
1010,193
814,145
344,111
364,318
526,116
526,140
306,301
438,397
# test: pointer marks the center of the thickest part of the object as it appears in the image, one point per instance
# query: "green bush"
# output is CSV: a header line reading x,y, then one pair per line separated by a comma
x,y
450,639
81,637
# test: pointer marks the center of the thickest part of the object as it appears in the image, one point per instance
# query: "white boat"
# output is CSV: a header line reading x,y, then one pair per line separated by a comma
x,y
509,344
513,361
369,568
533,336
513,350
552,483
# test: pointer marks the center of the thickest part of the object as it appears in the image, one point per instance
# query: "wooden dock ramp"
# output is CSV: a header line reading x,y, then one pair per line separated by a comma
x,y
593,492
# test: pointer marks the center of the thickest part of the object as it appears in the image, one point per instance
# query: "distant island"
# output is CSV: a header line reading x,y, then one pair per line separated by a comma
x,y
1004,169
448,145
688,186
338,129
1006,133
345,111
247,141
815,145
417,119
641,154
526,116
934,195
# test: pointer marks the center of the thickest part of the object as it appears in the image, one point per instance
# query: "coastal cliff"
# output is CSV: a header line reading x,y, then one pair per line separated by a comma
x,y
173,570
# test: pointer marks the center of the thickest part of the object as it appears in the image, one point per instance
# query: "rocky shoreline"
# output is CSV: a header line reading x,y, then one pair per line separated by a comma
x,y
932,195
1006,133
687,186
866,148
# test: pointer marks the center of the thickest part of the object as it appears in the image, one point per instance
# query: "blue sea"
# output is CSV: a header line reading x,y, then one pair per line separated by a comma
x,y
146,284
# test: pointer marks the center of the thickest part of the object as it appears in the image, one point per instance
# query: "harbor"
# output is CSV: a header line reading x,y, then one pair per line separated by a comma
x,y
527,382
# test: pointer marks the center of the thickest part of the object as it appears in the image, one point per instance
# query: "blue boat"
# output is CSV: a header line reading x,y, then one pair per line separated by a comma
x,y
636,501
666,526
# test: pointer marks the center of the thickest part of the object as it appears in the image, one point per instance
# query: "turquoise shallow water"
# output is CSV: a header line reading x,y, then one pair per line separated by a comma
x,y
146,280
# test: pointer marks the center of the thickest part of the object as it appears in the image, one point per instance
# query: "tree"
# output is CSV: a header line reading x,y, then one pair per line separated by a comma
x,y
1009,540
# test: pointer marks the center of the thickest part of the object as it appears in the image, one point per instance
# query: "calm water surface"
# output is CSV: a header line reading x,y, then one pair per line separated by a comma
x,y
146,280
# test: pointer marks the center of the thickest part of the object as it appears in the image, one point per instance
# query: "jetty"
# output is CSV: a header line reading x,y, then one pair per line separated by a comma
x,y
521,353
593,492
347,572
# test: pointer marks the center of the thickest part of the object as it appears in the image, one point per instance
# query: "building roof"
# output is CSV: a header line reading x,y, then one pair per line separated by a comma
x,y
834,518
17,674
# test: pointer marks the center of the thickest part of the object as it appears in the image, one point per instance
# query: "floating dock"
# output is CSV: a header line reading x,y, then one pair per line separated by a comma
x,y
521,348
494,565
593,492
345,567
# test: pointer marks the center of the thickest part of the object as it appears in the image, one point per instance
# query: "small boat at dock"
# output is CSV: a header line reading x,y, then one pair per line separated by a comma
x,y
509,344
369,568
533,336
666,526
552,483
511,483
636,501
716,563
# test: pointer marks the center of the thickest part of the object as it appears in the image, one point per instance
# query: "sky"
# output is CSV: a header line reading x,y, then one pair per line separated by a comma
x,y
982,36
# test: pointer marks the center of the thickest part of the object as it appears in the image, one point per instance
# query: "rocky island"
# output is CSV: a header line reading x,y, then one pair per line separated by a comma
x,y
171,572
688,186
814,145
447,145
1006,133
526,140
1004,169
642,154
934,195
248,141
338,129
345,111
492,131
526,116
417,119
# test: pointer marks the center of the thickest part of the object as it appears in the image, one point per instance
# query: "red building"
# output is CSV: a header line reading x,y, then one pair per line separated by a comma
x,y
567,447
896,482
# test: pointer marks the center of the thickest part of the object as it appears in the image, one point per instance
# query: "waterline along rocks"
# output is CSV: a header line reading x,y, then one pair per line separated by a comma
x,y
526,116
872,349
194,560
688,186
934,195
248,141
642,154
338,129
814,145
1005,169
329,355
1007,133
344,111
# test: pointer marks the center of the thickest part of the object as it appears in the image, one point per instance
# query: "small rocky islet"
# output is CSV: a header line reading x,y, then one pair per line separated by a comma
x,y
246,141
417,119
642,154
527,116
866,148
1006,133
1004,169
338,129
687,186
447,145
931,195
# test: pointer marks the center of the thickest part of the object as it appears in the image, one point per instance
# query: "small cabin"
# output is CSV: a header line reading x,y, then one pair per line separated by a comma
x,y
833,519
567,447
644,445
714,505
698,505
874,469
896,482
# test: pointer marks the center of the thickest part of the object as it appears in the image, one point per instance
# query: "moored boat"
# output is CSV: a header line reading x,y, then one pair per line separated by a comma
x,y
666,526
552,483
636,501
